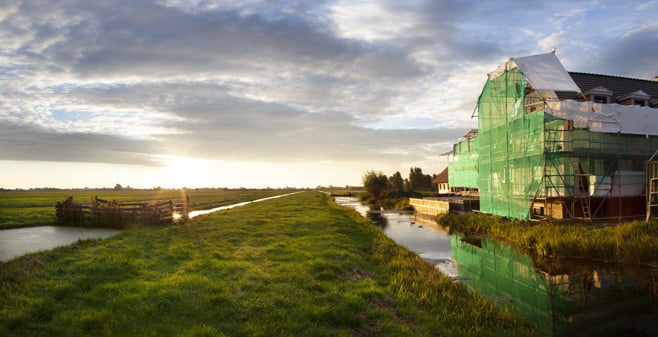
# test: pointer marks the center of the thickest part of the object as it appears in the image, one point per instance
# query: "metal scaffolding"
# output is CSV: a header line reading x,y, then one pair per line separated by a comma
x,y
534,163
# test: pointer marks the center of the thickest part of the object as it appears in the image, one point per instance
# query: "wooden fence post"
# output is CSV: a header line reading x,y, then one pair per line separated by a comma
x,y
186,207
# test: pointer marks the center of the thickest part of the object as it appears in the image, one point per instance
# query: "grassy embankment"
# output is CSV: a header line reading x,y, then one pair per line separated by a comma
x,y
633,242
293,266
30,208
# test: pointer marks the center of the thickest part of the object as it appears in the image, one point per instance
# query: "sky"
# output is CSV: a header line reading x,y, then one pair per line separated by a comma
x,y
273,93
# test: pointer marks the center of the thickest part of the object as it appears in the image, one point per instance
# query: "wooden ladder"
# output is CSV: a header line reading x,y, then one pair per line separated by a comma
x,y
581,189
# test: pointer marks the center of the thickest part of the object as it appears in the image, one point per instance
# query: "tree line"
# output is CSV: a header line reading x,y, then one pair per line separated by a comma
x,y
378,185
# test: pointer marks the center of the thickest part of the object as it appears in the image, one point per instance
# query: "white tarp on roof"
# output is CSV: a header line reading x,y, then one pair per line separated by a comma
x,y
543,71
611,118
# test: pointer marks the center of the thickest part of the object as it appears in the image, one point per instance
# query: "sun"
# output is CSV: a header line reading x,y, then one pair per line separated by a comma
x,y
179,171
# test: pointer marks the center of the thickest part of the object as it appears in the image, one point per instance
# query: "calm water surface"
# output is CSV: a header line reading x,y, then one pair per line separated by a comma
x,y
428,242
221,208
563,298
20,241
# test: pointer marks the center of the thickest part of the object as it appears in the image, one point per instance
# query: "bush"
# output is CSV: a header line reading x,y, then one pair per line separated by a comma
x,y
376,184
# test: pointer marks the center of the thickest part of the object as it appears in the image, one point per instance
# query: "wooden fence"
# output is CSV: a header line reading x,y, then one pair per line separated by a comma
x,y
105,213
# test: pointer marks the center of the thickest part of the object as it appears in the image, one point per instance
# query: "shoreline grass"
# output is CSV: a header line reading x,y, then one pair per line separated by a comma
x,y
631,243
295,266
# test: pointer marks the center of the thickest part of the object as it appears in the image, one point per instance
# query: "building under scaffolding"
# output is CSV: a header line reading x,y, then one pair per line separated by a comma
x,y
557,145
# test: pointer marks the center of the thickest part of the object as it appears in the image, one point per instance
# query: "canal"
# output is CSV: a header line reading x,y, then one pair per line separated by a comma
x,y
428,241
562,297
19,241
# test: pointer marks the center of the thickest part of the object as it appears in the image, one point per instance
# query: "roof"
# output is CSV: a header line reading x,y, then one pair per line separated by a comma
x,y
471,134
543,72
442,178
619,86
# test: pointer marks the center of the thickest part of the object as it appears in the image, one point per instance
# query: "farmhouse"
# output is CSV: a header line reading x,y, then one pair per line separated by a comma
x,y
553,144
441,181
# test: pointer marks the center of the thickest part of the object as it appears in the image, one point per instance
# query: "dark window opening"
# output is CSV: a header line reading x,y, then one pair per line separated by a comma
x,y
600,99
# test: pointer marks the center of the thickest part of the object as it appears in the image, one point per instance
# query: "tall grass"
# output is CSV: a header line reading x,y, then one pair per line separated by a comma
x,y
293,266
632,242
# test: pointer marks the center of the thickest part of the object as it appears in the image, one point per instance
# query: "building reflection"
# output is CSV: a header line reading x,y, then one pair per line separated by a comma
x,y
562,299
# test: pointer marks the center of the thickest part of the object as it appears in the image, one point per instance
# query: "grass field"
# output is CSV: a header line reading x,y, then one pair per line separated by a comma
x,y
29,208
292,266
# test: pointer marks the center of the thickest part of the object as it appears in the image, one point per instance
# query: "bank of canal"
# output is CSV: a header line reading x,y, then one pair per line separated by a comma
x,y
563,297
294,266
427,241
20,241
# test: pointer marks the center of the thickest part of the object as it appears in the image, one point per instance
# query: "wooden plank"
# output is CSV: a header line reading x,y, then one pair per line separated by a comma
x,y
166,203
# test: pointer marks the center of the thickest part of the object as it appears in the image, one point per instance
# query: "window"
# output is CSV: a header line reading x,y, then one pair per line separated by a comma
x,y
639,98
599,95
600,99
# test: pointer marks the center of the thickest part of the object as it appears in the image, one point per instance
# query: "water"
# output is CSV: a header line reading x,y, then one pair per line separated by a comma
x,y
20,241
221,208
427,241
563,298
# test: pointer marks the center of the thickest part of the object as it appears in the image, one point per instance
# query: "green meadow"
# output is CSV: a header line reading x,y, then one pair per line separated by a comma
x,y
30,208
293,266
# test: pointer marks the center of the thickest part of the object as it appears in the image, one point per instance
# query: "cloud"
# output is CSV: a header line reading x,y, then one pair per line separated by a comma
x,y
296,137
211,121
632,55
381,82
31,143
141,38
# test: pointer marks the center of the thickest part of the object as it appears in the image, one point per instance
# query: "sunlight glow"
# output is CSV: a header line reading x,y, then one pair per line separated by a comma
x,y
179,171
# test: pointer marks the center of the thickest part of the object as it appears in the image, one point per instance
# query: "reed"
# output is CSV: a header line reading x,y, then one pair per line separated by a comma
x,y
633,242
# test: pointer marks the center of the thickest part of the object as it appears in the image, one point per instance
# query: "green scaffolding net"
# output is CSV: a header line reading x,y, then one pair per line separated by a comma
x,y
526,156
511,151
463,170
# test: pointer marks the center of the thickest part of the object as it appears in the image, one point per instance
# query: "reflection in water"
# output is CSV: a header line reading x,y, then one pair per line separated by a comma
x,y
563,298
430,243
377,218
575,299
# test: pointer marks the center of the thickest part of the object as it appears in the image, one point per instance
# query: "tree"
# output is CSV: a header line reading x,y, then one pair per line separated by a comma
x,y
419,181
396,182
118,187
375,183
